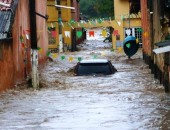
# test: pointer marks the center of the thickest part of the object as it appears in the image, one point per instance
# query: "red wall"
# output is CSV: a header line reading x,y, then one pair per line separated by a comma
x,y
146,27
6,67
12,67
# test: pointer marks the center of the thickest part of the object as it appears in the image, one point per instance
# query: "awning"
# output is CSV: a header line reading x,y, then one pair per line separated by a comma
x,y
164,46
163,43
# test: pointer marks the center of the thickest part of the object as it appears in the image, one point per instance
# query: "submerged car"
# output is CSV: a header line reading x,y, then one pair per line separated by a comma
x,y
94,67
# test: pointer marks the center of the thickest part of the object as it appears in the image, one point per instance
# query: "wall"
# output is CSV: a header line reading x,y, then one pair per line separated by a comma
x,y
53,20
14,68
15,64
151,24
42,35
121,11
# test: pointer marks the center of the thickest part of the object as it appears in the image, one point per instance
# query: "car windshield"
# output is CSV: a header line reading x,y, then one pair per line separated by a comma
x,y
94,68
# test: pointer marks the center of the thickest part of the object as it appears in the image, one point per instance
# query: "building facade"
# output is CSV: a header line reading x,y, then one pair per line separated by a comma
x,y
129,22
53,23
15,48
156,24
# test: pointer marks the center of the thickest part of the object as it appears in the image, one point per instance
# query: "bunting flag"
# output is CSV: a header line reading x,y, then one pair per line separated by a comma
x,y
120,49
52,25
62,57
54,55
27,37
70,59
145,34
140,30
38,48
70,25
79,34
137,40
91,33
112,50
122,17
119,23
115,32
103,54
104,33
89,22
21,39
54,33
94,56
48,53
128,32
24,32
79,59
67,34
110,20
99,21
23,45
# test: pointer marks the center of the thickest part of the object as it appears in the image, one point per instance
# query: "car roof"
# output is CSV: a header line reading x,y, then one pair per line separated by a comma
x,y
94,61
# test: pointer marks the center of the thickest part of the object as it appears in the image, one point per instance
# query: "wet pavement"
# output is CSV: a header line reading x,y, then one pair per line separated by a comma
x,y
130,99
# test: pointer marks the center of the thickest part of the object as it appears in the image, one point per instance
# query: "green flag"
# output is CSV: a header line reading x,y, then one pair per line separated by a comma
x,y
79,34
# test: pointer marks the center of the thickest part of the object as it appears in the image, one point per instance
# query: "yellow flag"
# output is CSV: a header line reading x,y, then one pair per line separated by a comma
x,y
137,40
104,33
54,55
103,54
40,50
145,34
70,59
119,49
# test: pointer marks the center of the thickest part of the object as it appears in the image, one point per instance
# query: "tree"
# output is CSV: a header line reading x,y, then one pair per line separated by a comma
x,y
97,8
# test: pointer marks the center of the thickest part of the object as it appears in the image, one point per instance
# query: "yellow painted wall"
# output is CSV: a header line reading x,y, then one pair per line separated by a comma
x,y
66,17
53,20
121,7
121,11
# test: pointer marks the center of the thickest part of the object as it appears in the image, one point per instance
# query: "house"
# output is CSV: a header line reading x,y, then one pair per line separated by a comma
x,y
15,47
53,24
156,24
129,20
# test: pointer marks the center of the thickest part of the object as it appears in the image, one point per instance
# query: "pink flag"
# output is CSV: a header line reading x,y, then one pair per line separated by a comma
x,y
53,33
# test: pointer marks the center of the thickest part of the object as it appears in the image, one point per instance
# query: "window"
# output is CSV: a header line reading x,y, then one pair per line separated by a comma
x,y
138,34
134,32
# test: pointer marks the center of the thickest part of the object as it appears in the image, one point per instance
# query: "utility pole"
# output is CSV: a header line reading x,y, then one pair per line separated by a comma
x,y
34,51
60,28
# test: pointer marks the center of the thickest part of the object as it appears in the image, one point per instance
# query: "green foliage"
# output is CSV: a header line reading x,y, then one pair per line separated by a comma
x,y
97,8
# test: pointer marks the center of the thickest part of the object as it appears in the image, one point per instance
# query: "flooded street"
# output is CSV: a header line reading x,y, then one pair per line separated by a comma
x,y
130,99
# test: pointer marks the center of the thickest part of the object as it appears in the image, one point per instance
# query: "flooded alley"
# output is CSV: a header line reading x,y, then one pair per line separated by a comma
x,y
130,99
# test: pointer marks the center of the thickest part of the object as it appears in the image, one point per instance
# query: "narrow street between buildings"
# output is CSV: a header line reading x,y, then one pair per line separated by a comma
x,y
130,99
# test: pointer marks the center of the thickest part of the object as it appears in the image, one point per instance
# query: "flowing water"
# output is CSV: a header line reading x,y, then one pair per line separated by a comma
x,y
130,99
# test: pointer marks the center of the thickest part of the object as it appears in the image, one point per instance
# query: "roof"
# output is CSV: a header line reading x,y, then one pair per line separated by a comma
x,y
162,50
163,43
7,13
94,61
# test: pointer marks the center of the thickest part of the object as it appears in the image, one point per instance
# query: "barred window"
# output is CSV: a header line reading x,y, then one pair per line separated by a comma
x,y
136,32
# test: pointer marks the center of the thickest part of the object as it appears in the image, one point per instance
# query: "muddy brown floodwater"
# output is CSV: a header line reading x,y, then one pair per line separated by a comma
x,y
130,99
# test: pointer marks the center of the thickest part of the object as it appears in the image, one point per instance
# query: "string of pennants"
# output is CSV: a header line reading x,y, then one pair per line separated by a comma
x,y
79,34
71,58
